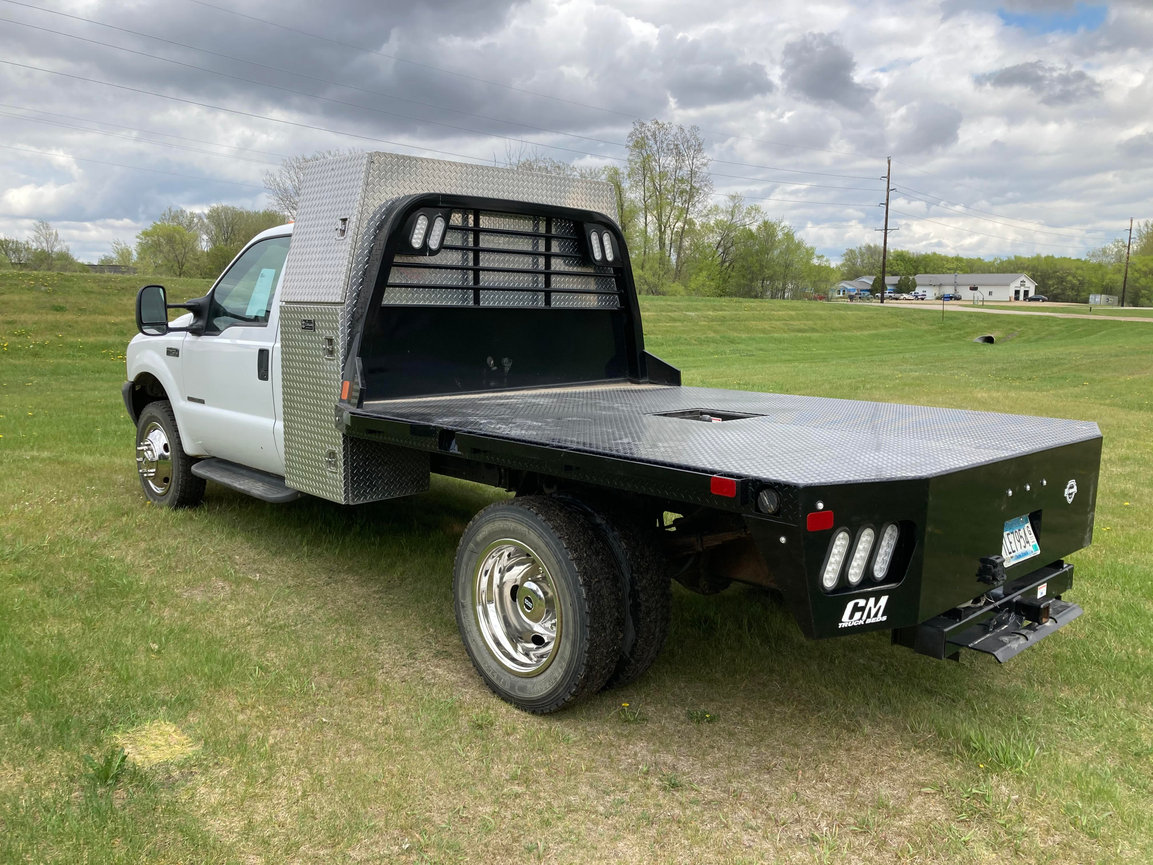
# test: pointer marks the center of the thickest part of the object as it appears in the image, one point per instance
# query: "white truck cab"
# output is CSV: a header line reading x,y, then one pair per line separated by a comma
x,y
221,376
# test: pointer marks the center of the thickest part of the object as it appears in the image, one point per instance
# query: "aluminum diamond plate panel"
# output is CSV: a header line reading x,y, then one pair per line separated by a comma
x,y
318,458
320,258
791,439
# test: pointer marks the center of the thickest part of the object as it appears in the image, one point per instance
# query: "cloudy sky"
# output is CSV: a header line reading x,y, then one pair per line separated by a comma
x,y
1015,126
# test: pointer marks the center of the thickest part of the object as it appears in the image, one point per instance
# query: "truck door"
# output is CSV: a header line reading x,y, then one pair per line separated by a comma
x,y
229,371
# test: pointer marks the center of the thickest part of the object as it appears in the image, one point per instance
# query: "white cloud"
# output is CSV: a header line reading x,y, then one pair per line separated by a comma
x,y
1047,126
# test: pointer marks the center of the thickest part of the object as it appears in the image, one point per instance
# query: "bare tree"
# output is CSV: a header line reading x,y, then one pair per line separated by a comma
x,y
668,171
46,239
284,183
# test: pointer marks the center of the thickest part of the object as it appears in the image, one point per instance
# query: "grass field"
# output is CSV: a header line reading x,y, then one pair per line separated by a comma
x,y
287,685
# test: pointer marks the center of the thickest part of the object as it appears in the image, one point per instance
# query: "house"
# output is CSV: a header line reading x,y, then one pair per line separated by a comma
x,y
989,286
862,286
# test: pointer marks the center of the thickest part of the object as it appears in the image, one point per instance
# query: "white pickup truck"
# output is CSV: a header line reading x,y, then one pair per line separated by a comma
x,y
430,317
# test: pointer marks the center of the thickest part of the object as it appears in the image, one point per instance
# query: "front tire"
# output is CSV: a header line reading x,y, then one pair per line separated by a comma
x,y
538,603
165,469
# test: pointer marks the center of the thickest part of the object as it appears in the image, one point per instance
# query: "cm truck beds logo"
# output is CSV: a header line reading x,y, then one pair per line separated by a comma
x,y
864,611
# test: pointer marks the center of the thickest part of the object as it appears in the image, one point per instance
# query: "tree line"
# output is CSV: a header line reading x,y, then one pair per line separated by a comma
x,y
681,240
1059,278
179,243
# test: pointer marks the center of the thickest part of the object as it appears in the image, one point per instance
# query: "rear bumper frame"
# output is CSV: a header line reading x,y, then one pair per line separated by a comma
x,y
1003,622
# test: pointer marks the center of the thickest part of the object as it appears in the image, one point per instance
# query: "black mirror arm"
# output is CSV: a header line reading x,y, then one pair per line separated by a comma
x,y
197,306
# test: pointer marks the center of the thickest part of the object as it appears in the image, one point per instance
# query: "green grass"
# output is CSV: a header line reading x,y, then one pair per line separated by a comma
x,y
287,685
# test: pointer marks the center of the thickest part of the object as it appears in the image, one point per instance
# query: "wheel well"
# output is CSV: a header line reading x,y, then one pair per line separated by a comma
x,y
145,389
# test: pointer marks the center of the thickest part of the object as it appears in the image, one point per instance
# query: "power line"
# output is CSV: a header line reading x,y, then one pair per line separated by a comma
x,y
328,99
280,156
934,201
465,75
398,114
240,113
128,167
389,95
981,233
286,71
133,139
791,200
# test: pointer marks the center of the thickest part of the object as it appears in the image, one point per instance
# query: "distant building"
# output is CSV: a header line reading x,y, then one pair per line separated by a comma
x,y
862,286
110,268
991,286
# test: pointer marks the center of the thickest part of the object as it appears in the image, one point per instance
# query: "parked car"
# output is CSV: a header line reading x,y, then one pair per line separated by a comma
x,y
919,295
950,297
1039,298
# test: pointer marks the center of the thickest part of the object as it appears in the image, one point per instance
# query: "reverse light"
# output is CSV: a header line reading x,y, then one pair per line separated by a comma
x,y
436,235
885,550
837,552
419,229
861,556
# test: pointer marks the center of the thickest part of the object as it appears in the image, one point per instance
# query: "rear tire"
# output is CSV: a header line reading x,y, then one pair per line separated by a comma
x,y
538,603
647,595
165,469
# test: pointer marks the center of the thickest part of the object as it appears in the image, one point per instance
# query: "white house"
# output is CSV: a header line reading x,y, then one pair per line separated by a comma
x,y
989,286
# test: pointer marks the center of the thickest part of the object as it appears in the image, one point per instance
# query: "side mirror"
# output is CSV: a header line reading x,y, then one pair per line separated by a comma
x,y
152,310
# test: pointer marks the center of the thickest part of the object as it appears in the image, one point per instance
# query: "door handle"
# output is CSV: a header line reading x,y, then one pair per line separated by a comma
x,y
262,364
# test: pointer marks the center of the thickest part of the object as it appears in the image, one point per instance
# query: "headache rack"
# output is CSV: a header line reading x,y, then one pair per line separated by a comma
x,y
501,258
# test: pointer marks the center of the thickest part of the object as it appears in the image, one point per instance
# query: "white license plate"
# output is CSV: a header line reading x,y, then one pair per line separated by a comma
x,y
1019,542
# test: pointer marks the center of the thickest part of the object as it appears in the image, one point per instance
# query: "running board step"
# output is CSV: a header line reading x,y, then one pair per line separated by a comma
x,y
252,482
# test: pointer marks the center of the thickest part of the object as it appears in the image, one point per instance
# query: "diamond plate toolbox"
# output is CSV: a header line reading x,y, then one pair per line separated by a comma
x,y
318,458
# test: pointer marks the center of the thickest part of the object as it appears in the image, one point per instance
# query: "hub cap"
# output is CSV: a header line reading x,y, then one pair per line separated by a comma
x,y
516,607
154,458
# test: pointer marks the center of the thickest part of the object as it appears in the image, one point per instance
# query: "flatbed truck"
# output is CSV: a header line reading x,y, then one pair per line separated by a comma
x,y
427,317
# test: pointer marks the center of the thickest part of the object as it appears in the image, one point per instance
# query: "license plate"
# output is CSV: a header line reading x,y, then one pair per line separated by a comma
x,y
1019,542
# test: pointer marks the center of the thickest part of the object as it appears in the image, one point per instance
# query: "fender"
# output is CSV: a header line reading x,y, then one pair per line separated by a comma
x,y
148,355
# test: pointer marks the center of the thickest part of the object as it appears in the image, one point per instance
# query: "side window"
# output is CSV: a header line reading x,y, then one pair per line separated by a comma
x,y
244,294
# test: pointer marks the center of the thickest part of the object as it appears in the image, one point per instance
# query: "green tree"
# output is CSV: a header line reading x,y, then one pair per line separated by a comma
x,y
171,245
17,253
227,229
122,255
907,284
864,260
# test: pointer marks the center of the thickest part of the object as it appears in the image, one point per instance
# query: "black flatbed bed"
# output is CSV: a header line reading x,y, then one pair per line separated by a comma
x,y
794,440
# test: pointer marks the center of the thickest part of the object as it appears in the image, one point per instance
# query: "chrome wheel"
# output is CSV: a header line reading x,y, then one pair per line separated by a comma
x,y
516,607
154,458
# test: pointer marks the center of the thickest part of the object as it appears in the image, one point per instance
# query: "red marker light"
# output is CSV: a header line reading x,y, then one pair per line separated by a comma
x,y
720,486
344,389
819,521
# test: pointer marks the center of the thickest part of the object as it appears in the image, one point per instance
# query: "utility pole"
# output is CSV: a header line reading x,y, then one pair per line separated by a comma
x,y
1125,278
885,236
